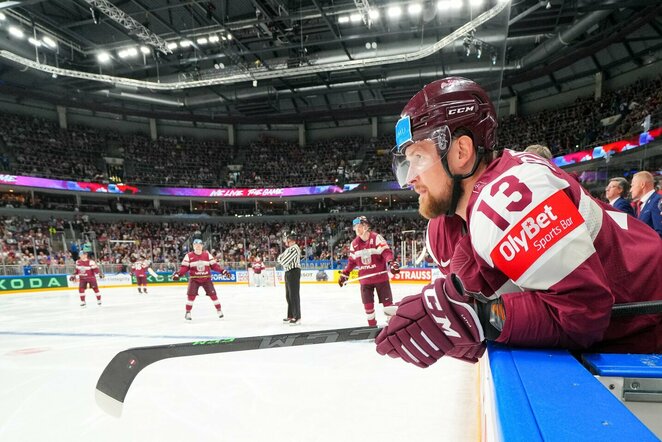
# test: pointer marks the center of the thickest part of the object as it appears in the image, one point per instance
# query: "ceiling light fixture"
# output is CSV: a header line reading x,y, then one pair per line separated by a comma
x,y
394,12
414,9
15,32
48,41
103,57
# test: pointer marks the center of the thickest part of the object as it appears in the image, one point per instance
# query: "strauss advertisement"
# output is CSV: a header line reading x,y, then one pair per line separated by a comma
x,y
414,275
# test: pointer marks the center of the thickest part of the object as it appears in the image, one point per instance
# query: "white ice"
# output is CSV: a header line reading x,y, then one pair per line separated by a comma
x,y
52,352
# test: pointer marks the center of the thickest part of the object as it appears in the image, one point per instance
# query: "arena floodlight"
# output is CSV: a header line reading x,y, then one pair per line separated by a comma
x,y
3,17
185,43
131,52
355,17
414,9
343,19
476,3
374,14
213,38
145,50
172,45
229,36
48,41
103,57
15,31
394,12
202,41
33,41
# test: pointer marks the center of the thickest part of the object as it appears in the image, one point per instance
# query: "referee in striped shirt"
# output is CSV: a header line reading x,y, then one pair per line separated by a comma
x,y
290,259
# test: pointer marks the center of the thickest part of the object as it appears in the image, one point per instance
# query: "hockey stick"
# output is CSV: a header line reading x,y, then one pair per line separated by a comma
x,y
364,277
636,309
116,379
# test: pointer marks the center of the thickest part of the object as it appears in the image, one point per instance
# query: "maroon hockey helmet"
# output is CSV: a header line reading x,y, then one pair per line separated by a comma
x,y
437,112
360,220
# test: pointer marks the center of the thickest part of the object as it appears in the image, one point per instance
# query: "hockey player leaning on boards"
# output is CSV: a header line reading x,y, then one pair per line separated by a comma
x,y
371,255
199,264
541,262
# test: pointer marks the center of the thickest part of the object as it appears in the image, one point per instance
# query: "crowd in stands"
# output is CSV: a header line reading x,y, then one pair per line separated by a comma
x,y
133,206
41,148
587,122
28,241
175,161
38,147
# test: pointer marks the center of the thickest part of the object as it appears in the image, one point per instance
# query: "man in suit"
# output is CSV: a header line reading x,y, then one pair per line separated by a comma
x,y
643,192
616,190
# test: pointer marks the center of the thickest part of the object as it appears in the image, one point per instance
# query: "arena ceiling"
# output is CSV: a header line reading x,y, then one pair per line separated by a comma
x,y
292,61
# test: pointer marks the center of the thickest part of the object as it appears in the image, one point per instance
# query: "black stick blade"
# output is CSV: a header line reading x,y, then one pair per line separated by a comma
x,y
117,377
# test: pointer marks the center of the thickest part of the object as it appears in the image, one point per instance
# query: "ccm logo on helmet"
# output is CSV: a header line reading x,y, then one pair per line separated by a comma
x,y
461,110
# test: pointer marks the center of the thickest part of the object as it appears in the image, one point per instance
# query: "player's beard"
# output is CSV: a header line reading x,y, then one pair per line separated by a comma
x,y
431,207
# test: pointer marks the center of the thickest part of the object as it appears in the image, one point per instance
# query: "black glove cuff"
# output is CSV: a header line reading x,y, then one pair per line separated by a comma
x,y
491,315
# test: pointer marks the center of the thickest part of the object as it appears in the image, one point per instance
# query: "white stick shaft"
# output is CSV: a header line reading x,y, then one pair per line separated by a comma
x,y
365,276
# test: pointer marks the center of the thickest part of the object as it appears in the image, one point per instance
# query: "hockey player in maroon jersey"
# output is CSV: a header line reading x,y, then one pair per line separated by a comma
x,y
86,271
541,262
371,255
258,267
139,269
199,264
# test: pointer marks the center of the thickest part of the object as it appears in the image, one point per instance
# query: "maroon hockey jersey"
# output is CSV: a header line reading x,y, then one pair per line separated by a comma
x,y
86,270
369,257
443,234
558,258
139,268
257,267
199,266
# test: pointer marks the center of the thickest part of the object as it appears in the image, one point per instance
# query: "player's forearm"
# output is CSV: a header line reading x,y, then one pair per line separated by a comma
x,y
549,318
387,255
183,270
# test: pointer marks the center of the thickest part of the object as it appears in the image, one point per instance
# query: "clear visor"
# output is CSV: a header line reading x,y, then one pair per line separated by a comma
x,y
415,157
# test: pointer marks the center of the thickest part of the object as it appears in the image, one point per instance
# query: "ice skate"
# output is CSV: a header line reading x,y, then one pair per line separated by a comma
x,y
220,313
82,304
295,321
187,316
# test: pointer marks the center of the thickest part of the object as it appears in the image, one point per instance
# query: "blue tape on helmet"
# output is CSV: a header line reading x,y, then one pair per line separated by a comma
x,y
403,132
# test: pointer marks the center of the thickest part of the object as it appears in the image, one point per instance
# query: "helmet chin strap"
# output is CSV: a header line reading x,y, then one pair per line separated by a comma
x,y
457,179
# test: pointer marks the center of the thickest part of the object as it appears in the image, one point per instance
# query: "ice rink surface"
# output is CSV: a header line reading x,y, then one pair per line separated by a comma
x,y
52,352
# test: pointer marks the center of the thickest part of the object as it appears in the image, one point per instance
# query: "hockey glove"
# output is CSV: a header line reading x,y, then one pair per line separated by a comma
x,y
175,277
437,322
394,267
72,278
101,276
342,279
226,274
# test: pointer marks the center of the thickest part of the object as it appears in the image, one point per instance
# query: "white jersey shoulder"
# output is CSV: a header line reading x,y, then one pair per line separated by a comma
x,y
525,224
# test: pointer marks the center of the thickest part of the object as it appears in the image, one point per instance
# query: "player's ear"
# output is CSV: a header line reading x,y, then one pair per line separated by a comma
x,y
465,152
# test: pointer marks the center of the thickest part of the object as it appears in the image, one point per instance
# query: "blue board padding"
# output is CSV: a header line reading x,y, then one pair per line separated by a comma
x,y
625,365
547,395
515,419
